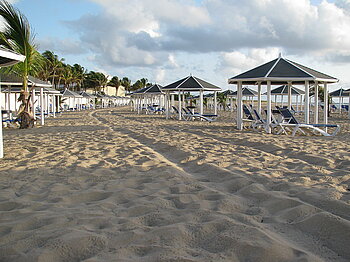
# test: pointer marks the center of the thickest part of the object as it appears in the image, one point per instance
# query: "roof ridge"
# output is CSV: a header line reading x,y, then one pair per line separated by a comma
x,y
278,59
294,64
183,81
197,81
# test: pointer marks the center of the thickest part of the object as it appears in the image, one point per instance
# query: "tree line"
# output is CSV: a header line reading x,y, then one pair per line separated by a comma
x,y
78,78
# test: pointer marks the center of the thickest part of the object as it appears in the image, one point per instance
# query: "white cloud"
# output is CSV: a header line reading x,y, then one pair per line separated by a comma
x,y
242,34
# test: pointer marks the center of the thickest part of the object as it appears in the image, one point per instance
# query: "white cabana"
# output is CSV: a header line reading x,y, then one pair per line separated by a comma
x,y
14,83
187,85
148,96
7,58
280,72
340,94
71,100
88,100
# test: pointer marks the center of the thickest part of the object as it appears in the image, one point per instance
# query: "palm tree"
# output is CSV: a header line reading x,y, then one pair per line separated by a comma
x,y
16,35
54,64
67,76
115,82
126,83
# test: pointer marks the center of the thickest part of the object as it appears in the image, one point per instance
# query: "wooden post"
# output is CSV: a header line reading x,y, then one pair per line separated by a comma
x,y
289,95
42,121
268,117
239,106
215,103
1,136
325,113
201,110
180,106
307,103
259,97
316,102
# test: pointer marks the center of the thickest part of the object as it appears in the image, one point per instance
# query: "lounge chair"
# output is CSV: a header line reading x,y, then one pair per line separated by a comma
x,y
189,115
290,122
248,117
154,110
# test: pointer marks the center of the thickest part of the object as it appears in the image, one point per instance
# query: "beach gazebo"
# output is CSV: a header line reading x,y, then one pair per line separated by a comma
x,y
152,94
14,85
187,85
340,93
247,92
282,71
7,58
88,98
73,99
282,91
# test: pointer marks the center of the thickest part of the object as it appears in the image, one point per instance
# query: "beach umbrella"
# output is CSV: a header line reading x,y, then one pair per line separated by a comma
x,y
7,58
191,84
281,71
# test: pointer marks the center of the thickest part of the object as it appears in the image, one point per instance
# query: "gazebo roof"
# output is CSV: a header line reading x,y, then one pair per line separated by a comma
x,y
283,90
68,93
153,89
340,92
228,93
246,91
87,95
15,80
281,71
8,57
191,83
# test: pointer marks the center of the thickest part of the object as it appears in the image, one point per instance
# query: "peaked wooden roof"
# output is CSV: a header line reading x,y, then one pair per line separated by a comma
x,y
283,90
68,93
15,80
191,83
340,92
246,91
153,89
281,71
8,57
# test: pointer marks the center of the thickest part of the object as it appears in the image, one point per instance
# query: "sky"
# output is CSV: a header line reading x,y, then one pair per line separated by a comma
x,y
166,40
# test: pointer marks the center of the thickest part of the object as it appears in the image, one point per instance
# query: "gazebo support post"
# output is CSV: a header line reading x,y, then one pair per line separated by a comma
x,y
341,103
53,97
42,122
167,105
232,107
316,102
307,103
239,106
349,107
325,113
268,118
259,97
180,105
33,101
289,95
215,103
9,102
201,102
1,137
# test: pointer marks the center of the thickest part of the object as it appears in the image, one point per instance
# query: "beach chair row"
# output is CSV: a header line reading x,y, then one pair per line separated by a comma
x,y
283,121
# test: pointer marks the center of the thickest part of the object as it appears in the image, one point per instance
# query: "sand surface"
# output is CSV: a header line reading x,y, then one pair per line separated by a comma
x,y
110,185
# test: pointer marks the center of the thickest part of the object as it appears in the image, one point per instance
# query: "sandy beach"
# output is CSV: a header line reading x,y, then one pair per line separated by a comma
x,y
111,185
